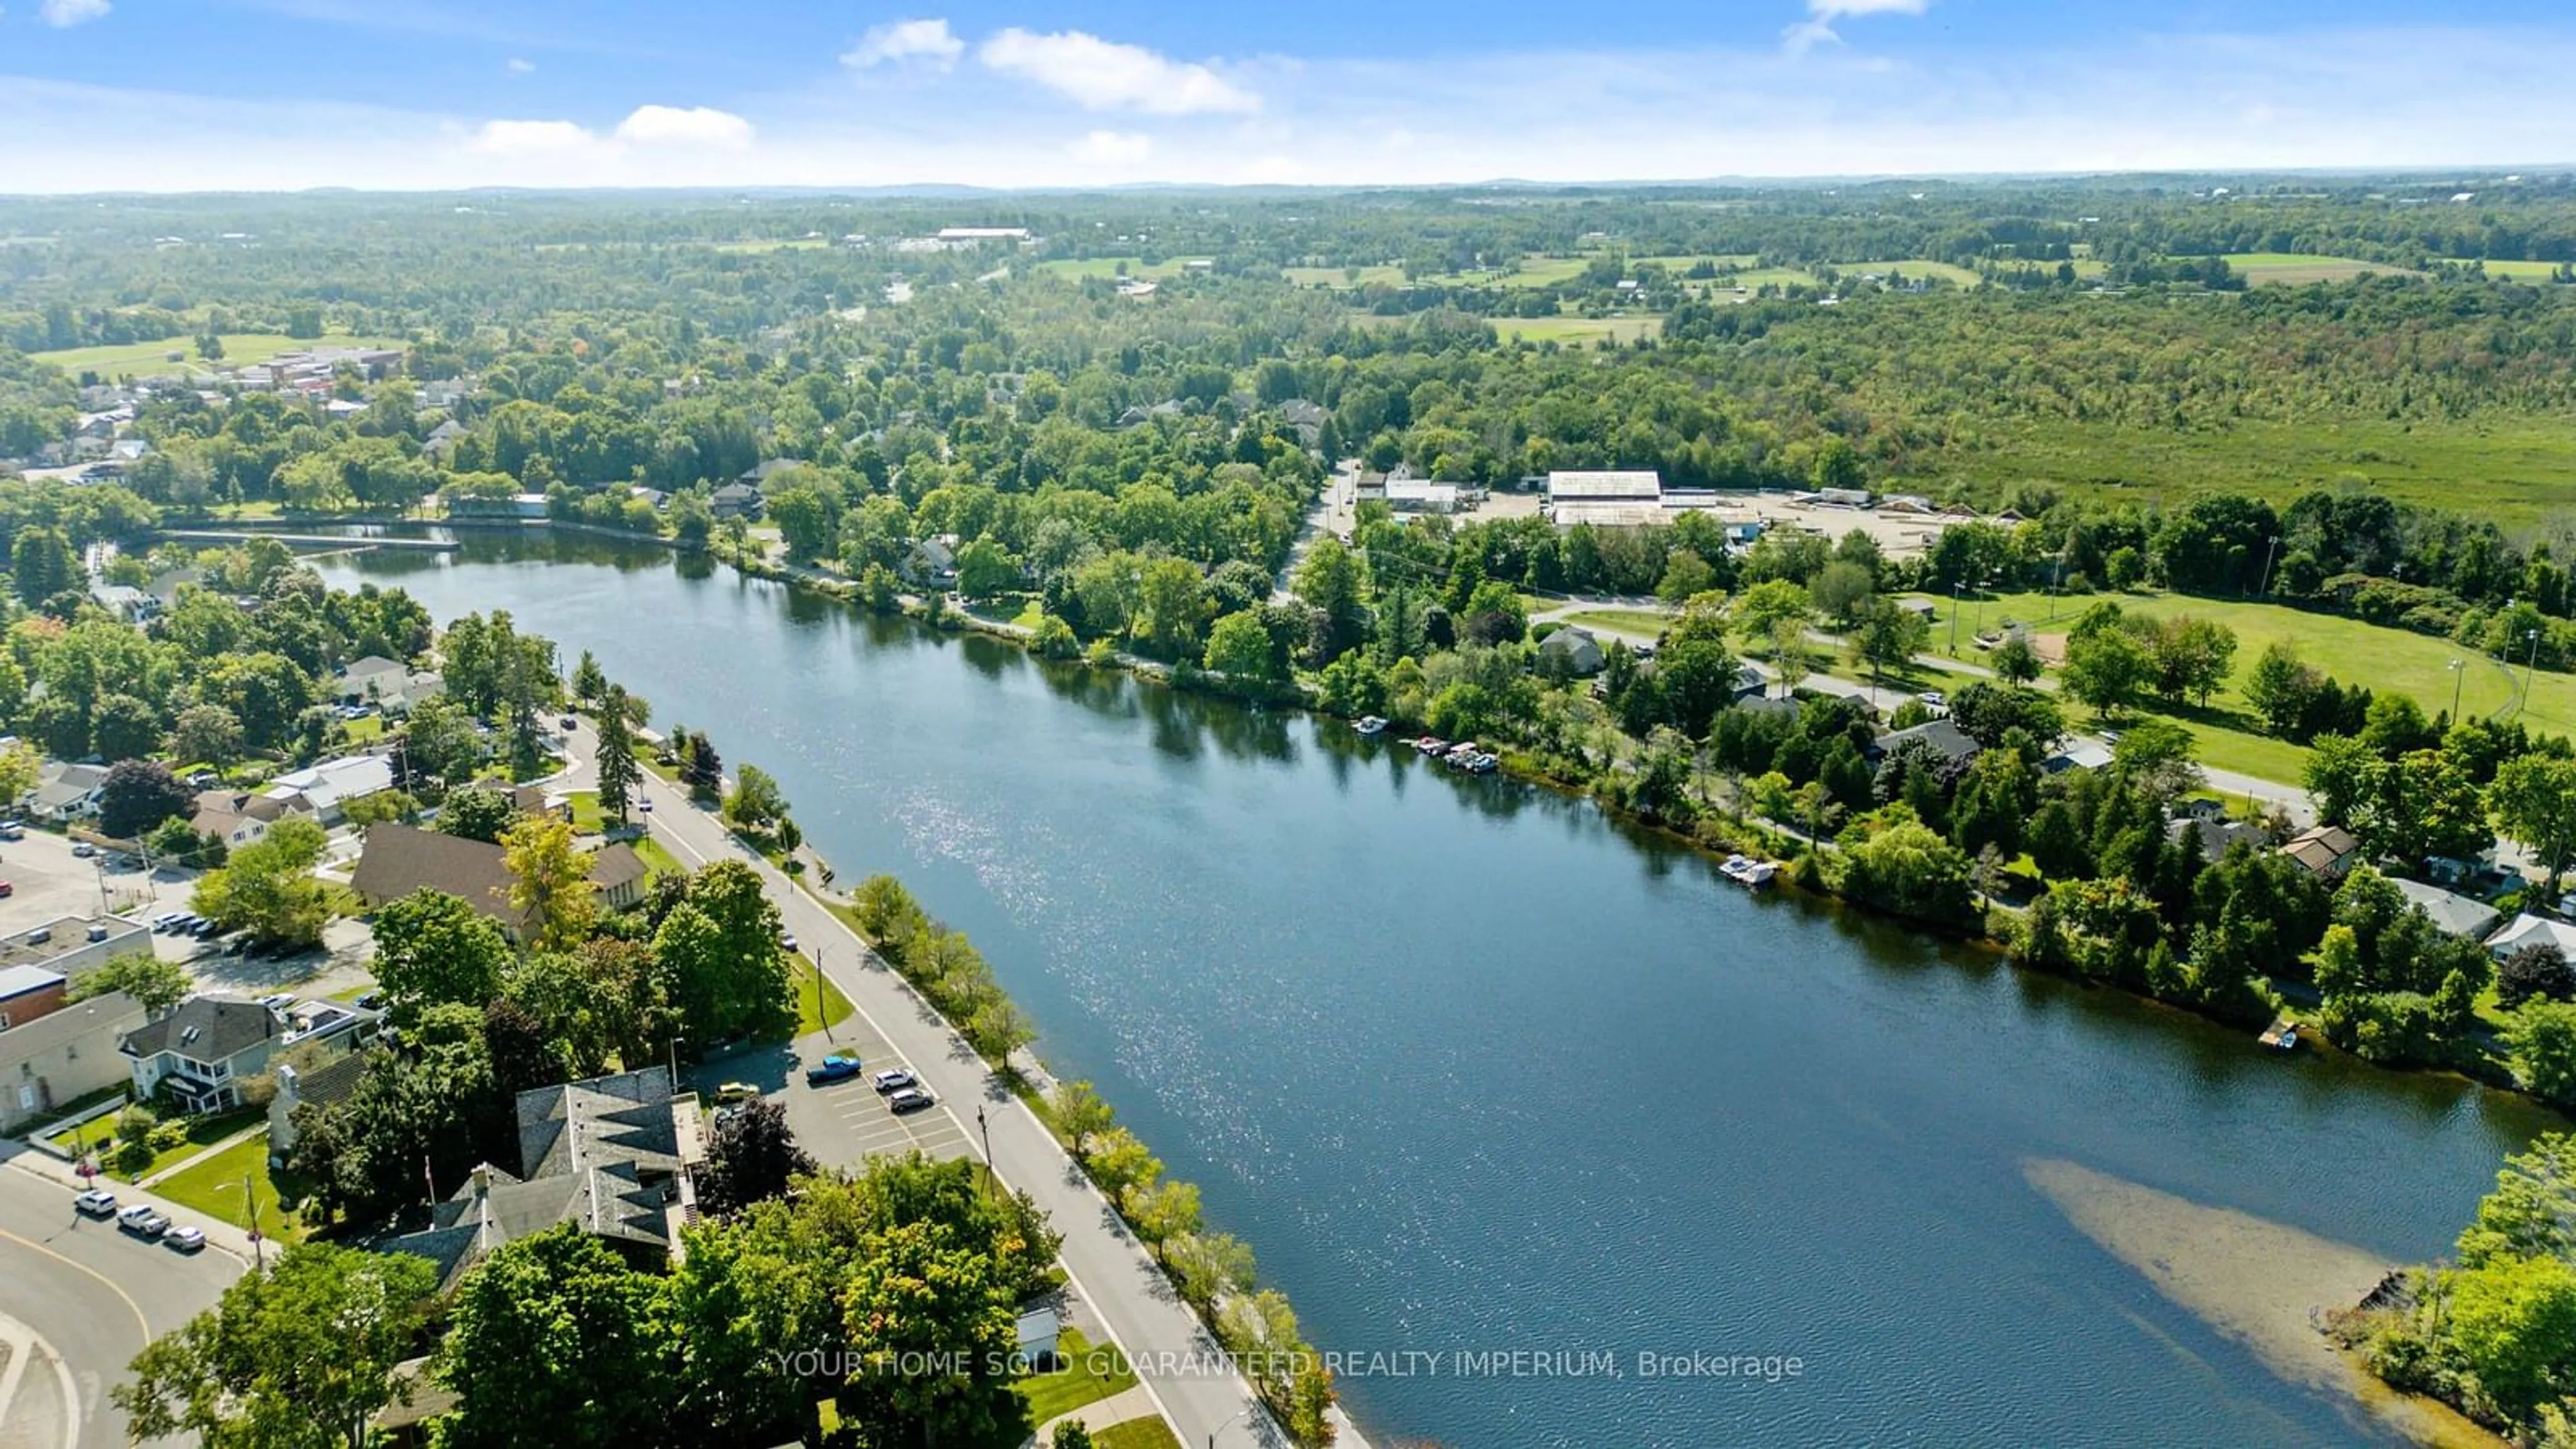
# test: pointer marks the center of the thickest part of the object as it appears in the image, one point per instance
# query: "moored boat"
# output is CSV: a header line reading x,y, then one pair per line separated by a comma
x,y
1370,725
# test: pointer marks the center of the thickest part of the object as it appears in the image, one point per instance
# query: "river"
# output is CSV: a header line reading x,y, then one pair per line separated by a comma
x,y
1478,1071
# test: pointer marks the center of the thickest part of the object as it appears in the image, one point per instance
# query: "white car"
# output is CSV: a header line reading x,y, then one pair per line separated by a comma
x,y
186,1240
143,1221
96,1204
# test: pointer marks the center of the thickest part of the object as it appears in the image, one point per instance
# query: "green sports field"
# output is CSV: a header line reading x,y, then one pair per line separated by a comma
x,y
152,359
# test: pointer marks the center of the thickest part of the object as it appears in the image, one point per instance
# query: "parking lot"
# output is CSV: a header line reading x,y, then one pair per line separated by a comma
x,y
52,883
846,1120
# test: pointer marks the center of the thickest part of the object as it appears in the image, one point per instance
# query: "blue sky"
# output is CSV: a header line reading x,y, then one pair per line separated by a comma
x,y
196,94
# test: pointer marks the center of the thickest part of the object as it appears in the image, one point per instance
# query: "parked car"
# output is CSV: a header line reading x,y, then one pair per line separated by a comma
x,y
1933,697
570,724
834,1068
277,1000
894,1079
206,930
372,1001
787,940
96,1204
910,1099
644,803
737,1092
143,1220
186,1240
13,830
8,889
83,849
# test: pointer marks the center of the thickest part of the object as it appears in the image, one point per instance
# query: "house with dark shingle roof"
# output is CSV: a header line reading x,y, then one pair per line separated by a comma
x,y
612,1155
1942,735
204,1050
318,1086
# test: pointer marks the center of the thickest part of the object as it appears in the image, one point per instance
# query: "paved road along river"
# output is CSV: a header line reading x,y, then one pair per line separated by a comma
x,y
1478,1072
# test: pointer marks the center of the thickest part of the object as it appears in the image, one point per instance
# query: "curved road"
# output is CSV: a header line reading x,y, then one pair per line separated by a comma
x,y
95,1295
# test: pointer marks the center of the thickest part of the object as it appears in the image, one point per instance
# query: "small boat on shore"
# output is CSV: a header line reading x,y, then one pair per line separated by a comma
x,y
2281,1036
1370,726
1483,764
1431,745
1745,871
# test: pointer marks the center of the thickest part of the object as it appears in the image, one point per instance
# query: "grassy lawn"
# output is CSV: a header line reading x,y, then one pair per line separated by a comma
x,y
657,857
1076,1384
364,728
151,359
1629,621
1137,1434
1077,268
835,1007
214,1187
2289,269
2350,650
1758,277
1024,612
2517,271
203,1132
1575,330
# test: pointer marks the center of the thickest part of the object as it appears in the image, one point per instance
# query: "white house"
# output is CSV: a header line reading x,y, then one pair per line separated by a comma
x,y
65,791
204,1050
2530,930
387,682
326,788
238,819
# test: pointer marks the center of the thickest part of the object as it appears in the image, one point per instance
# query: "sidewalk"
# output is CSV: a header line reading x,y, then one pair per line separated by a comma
x,y
221,1236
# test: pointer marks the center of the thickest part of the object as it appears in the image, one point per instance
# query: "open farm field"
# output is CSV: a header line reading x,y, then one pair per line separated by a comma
x,y
2522,474
152,359
2291,269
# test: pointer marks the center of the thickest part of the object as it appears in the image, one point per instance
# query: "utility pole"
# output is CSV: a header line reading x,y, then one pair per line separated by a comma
x,y
2264,589
1954,617
2530,665
250,1205
2459,671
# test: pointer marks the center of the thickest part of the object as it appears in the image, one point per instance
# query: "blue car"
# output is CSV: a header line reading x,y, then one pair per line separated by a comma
x,y
834,1068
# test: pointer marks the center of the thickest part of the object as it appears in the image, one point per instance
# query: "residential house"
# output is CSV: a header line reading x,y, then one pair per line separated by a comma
x,y
1307,418
2217,833
125,601
443,439
73,945
759,474
399,859
28,992
238,818
2079,755
204,1050
62,1057
2455,914
2324,851
932,560
2530,930
208,1047
735,500
327,788
613,1155
619,875
389,683
1944,736
1572,648
319,1086
524,507
65,791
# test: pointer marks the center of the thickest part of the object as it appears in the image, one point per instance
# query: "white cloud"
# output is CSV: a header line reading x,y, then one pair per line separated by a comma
x,y
1104,75
1113,148
521,65
678,126
928,41
1818,27
532,138
61,13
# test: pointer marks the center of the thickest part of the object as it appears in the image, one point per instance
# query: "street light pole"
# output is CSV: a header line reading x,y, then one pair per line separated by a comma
x,y
987,1129
2263,590
2530,665
1954,617
676,1039
2459,668
1228,1424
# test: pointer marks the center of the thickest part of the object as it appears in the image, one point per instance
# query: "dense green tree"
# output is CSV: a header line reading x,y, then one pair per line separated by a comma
x,y
553,1329
434,949
301,1356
